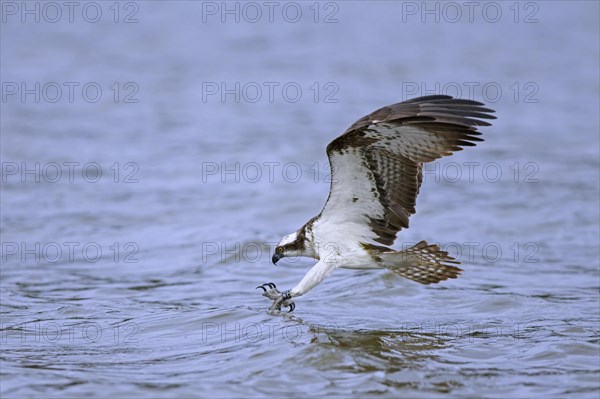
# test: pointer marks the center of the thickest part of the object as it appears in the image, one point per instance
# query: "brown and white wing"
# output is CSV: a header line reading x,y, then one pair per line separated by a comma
x,y
376,165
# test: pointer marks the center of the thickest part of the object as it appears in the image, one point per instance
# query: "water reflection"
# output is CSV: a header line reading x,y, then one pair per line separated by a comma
x,y
377,350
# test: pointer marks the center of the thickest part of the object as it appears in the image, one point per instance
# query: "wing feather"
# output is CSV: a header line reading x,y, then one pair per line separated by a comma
x,y
376,165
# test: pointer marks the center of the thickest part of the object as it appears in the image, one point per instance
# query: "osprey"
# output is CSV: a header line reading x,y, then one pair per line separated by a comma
x,y
376,171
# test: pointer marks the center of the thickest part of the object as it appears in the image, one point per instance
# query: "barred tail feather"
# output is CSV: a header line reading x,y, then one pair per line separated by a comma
x,y
422,263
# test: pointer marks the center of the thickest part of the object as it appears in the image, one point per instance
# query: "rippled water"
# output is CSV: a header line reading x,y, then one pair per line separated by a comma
x,y
138,215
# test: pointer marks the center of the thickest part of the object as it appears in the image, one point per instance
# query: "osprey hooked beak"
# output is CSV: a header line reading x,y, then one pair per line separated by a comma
x,y
276,257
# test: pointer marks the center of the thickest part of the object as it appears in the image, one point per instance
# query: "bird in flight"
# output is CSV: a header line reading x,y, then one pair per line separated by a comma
x,y
376,172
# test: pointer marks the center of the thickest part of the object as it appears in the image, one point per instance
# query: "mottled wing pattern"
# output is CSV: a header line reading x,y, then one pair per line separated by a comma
x,y
376,165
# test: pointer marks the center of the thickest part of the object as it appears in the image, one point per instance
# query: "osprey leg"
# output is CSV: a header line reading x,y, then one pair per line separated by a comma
x,y
315,275
284,299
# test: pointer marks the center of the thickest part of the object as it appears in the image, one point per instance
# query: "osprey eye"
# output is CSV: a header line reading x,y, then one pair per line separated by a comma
x,y
279,250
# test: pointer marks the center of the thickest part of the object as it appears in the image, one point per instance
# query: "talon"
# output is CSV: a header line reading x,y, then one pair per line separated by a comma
x,y
280,299
270,285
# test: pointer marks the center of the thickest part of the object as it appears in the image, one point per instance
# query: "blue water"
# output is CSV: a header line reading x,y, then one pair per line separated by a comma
x,y
154,152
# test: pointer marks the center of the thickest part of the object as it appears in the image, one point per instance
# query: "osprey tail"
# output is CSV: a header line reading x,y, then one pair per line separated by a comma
x,y
422,263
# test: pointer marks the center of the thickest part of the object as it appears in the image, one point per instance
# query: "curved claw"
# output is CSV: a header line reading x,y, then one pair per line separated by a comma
x,y
270,285
292,306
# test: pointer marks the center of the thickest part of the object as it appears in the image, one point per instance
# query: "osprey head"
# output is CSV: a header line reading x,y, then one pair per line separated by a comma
x,y
294,244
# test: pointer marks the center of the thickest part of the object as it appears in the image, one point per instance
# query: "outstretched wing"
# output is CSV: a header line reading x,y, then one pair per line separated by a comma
x,y
376,165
